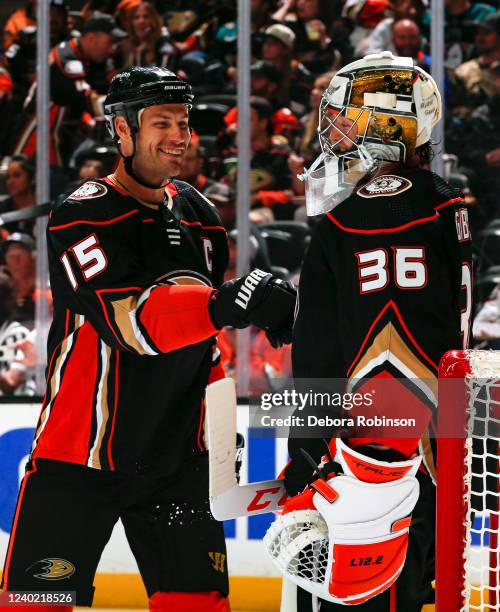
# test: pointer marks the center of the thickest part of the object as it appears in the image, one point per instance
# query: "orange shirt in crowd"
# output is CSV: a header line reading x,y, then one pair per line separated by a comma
x,y
16,22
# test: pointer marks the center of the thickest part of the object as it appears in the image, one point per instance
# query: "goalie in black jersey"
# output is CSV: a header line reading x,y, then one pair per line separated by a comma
x,y
385,291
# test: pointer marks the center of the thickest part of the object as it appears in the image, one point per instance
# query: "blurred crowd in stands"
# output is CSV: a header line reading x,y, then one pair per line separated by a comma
x,y
297,45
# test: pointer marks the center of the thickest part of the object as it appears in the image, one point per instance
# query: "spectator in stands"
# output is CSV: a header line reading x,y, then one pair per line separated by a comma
x,y
97,161
322,41
309,147
381,37
12,372
19,255
94,161
76,84
461,17
20,60
58,21
223,197
287,126
192,166
272,183
296,81
20,181
474,76
265,81
19,20
148,43
366,14
25,19
477,144
407,42
261,14
192,32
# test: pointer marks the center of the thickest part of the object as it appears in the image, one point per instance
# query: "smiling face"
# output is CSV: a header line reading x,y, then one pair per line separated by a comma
x,y
143,23
161,142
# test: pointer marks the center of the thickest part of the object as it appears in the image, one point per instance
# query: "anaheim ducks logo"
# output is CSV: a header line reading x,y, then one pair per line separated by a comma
x,y
52,569
386,185
89,190
260,178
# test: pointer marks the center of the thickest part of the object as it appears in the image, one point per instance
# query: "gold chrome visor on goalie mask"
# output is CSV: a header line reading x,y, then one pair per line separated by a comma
x,y
380,102
366,117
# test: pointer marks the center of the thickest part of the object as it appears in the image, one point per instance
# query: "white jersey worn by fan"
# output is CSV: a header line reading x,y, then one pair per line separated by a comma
x,y
10,333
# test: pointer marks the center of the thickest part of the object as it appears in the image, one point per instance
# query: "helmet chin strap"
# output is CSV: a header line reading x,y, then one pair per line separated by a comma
x,y
127,162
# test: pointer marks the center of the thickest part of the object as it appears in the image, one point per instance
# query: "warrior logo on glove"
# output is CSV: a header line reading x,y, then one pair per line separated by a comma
x,y
248,287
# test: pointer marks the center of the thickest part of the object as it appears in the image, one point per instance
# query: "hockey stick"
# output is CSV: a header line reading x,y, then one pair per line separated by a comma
x,y
228,499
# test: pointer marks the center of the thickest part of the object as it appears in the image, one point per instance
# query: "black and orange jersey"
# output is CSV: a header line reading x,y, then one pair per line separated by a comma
x,y
76,85
385,289
132,346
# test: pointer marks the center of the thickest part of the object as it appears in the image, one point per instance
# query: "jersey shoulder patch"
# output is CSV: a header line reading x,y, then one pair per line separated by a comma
x,y
386,185
93,201
89,190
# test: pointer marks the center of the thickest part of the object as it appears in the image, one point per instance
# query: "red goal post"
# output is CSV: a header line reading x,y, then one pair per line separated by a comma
x,y
468,478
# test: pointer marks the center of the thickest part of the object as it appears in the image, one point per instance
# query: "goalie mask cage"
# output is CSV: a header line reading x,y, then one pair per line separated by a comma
x,y
468,477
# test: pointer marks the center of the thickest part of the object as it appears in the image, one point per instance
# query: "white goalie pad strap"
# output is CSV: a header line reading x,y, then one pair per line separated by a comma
x,y
351,549
365,468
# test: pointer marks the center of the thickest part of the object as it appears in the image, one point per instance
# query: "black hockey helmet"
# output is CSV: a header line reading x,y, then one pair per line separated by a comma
x,y
138,87
135,89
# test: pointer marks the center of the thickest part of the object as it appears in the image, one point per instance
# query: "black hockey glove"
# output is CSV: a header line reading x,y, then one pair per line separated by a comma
x,y
259,299
285,303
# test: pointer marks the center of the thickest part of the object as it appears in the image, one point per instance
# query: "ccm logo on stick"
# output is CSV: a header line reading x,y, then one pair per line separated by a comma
x,y
248,287
258,504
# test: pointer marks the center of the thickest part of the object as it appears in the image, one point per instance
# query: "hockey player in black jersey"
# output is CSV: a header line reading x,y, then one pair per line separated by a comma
x,y
136,265
385,291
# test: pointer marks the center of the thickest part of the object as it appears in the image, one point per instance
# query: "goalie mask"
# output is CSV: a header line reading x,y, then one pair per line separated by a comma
x,y
344,539
377,109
